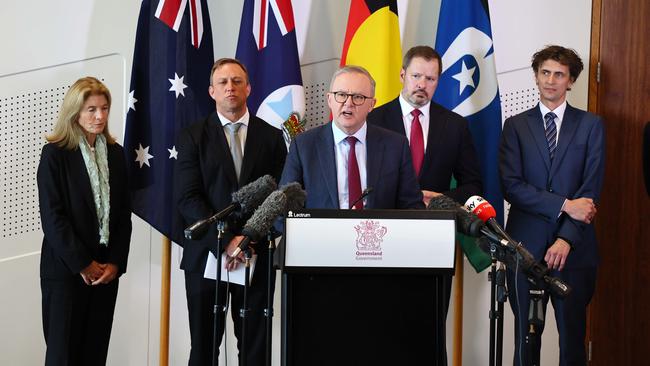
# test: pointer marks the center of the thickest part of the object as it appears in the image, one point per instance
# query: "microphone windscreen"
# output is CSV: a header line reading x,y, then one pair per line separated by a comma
x,y
480,207
253,194
296,196
466,222
263,218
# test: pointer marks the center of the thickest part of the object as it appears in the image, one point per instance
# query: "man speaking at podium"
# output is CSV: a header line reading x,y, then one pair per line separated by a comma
x,y
370,317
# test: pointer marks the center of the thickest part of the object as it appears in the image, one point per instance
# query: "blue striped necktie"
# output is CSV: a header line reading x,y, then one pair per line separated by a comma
x,y
551,133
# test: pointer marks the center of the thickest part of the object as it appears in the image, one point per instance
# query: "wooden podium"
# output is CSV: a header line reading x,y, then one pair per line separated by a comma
x,y
358,286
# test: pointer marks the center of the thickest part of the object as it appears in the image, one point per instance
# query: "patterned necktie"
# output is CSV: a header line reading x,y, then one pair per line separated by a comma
x,y
551,133
417,142
354,179
235,146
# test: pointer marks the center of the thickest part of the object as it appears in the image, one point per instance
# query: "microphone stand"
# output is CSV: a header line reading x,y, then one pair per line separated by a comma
x,y
218,308
243,312
498,296
268,312
535,323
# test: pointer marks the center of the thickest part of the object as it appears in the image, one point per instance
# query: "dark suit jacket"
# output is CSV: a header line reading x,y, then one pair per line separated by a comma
x,y
68,215
536,188
312,163
205,178
450,150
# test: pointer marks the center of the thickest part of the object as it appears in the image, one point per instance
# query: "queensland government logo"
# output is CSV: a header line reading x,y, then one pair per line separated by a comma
x,y
370,235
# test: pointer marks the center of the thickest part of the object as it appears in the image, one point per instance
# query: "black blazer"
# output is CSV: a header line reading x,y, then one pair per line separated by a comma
x,y
205,178
68,215
450,150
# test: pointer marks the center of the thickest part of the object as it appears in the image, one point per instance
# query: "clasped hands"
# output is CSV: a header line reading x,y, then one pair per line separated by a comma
x,y
98,273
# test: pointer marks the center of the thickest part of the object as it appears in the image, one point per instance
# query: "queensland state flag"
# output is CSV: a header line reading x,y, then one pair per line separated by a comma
x,y
169,89
372,40
468,83
267,46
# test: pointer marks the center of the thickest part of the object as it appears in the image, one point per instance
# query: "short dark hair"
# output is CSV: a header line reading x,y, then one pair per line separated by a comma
x,y
226,60
564,56
425,52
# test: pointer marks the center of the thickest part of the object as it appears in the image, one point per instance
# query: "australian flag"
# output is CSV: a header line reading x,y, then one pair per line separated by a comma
x,y
267,46
468,83
169,89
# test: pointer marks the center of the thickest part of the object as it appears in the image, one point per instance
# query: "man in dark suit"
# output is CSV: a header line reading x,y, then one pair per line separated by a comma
x,y
321,161
217,156
441,146
551,164
335,163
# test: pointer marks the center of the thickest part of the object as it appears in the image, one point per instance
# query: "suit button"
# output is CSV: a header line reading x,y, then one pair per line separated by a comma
x,y
550,190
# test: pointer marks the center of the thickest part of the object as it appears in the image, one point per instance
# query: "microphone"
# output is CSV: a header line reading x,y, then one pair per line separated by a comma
x,y
296,196
244,201
262,219
466,222
364,194
519,256
486,212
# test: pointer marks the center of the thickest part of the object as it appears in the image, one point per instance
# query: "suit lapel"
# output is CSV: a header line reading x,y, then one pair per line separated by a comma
x,y
78,165
327,162
437,128
568,130
218,147
536,126
251,150
394,117
374,158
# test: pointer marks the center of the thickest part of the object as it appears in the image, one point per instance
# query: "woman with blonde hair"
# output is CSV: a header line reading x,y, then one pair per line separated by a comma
x,y
86,219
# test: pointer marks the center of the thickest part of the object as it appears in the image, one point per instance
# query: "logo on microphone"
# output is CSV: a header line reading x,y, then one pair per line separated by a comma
x,y
370,235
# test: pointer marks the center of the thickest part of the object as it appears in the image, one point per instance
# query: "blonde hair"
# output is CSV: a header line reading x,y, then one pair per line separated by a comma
x,y
67,132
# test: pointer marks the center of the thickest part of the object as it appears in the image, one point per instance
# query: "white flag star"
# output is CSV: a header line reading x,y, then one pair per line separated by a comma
x,y
465,77
177,85
173,154
143,155
132,100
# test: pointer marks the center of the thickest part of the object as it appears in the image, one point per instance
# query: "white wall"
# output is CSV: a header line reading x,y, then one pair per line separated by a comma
x,y
49,43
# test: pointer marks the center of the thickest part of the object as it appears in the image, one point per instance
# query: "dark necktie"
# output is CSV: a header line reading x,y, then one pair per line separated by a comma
x,y
235,146
417,142
551,133
354,179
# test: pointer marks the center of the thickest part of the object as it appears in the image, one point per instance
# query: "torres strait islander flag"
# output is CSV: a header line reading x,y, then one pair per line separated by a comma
x,y
267,46
372,40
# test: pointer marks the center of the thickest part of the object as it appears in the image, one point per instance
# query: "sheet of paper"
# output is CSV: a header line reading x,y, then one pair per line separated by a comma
x,y
237,276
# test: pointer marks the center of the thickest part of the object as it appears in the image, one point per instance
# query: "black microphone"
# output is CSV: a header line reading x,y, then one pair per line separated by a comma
x,y
515,255
263,218
296,196
244,201
466,222
364,194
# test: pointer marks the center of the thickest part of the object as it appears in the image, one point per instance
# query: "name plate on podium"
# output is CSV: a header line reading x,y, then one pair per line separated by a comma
x,y
390,239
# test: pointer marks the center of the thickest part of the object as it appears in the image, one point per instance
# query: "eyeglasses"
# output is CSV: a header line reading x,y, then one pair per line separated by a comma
x,y
357,99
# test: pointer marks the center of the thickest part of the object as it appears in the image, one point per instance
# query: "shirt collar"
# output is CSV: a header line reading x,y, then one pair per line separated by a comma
x,y
407,108
244,119
339,135
559,111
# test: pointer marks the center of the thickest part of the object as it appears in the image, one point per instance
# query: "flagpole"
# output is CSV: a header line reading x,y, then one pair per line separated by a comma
x,y
457,353
165,270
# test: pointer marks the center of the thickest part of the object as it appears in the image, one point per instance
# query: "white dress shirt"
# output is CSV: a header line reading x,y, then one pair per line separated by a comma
x,y
341,153
407,118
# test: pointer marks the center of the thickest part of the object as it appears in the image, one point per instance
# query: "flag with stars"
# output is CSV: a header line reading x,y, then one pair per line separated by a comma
x,y
468,83
169,89
267,46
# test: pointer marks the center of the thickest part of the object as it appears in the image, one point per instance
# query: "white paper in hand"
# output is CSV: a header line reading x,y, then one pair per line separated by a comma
x,y
237,276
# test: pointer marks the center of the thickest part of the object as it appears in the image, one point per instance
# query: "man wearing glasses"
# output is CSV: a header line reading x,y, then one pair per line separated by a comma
x,y
336,162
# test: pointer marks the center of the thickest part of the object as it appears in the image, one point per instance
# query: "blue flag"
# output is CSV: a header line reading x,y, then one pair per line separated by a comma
x,y
267,46
169,89
468,84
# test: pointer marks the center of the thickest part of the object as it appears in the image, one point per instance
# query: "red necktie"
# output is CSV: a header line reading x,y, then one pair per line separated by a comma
x,y
354,179
417,142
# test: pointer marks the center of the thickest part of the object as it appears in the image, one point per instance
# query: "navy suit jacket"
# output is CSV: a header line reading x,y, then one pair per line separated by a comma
x,y
312,163
205,177
69,217
537,187
450,150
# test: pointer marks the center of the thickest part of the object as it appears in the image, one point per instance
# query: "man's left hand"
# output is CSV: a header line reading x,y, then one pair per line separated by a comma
x,y
428,195
557,254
